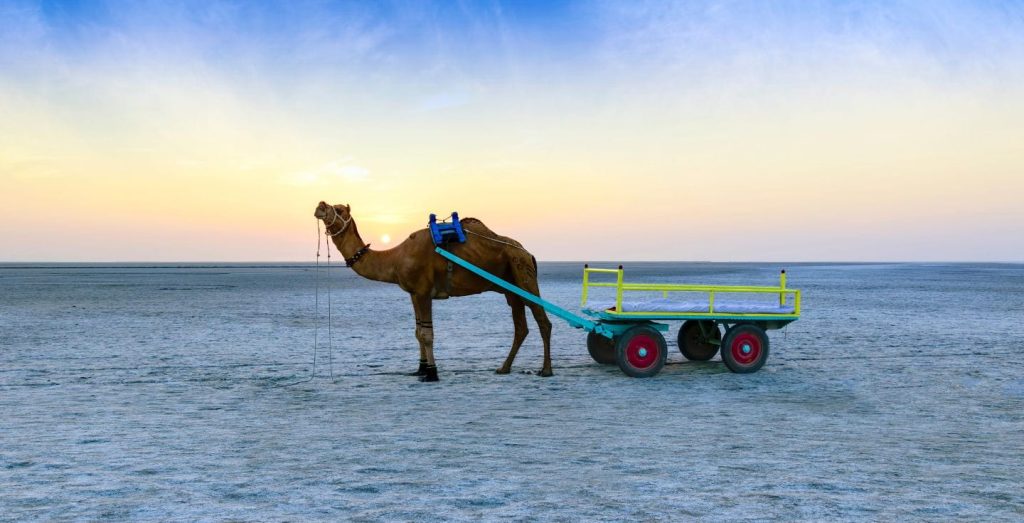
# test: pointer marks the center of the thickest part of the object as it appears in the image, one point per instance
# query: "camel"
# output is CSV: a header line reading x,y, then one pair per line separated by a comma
x,y
425,275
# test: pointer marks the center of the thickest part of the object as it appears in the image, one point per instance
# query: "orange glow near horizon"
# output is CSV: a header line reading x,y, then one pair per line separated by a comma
x,y
860,150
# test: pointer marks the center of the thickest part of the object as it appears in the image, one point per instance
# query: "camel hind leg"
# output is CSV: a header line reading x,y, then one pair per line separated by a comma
x,y
521,330
544,324
525,272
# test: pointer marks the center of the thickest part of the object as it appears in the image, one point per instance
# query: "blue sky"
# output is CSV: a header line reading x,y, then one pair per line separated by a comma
x,y
893,127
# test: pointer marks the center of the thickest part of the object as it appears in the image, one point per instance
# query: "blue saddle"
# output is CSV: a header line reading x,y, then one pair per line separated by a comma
x,y
445,232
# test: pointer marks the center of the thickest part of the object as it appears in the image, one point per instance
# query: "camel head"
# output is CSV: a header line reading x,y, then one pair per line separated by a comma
x,y
331,213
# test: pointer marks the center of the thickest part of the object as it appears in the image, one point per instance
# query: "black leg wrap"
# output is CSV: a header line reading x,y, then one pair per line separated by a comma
x,y
431,374
422,371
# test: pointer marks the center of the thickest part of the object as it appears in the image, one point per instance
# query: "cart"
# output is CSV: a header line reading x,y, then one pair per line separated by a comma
x,y
627,329
637,344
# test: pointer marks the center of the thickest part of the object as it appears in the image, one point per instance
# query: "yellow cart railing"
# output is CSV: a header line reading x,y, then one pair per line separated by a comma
x,y
785,295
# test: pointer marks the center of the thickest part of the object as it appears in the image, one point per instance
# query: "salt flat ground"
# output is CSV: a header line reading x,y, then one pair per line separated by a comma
x,y
155,393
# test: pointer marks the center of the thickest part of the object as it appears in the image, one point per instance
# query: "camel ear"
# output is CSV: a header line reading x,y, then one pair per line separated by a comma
x,y
348,208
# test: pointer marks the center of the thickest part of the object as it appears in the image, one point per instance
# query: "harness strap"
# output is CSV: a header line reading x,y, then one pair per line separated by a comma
x,y
359,254
448,279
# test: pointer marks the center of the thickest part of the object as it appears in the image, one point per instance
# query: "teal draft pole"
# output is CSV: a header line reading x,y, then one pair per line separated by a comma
x,y
574,320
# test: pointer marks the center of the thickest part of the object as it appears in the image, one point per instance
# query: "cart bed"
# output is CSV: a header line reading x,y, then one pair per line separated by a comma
x,y
669,305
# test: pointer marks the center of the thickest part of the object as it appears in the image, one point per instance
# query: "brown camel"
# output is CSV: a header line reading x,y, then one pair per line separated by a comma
x,y
425,275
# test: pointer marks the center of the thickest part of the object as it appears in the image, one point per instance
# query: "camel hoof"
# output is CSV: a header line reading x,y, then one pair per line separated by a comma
x,y
422,371
503,370
430,374
545,373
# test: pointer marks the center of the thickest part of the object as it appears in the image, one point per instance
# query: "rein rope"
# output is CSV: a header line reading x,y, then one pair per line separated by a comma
x,y
330,321
316,311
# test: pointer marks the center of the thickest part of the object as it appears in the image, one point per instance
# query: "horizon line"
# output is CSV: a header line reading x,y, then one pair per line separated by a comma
x,y
11,264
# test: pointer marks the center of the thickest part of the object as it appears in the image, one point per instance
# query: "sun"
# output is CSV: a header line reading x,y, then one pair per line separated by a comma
x,y
385,238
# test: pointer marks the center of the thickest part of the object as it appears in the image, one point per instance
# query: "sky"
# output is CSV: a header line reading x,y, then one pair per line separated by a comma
x,y
698,131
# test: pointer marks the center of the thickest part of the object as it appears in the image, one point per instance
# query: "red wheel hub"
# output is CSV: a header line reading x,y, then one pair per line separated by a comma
x,y
642,351
746,348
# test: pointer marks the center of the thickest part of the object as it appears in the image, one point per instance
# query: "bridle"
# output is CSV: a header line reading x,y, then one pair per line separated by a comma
x,y
327,226
359,254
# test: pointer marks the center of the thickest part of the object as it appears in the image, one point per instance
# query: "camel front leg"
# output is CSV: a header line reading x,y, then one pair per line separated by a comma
x,y
422,370
425,336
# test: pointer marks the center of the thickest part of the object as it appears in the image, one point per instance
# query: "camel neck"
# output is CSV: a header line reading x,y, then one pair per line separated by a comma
x,y
372,265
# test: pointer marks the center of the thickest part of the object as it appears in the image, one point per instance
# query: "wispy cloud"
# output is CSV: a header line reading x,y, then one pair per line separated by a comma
x,y
791,43
444,100
388,219
342,169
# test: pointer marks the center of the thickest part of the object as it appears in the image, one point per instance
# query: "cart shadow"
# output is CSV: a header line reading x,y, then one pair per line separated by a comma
x,y
671,368
694,367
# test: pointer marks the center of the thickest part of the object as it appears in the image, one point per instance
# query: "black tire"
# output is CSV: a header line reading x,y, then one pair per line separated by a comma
x,y
695,344
641,351
745,348
601,349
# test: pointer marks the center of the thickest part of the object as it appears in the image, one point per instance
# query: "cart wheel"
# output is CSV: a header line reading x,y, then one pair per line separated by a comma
x,y
640,351
601,349
745,348
694,344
